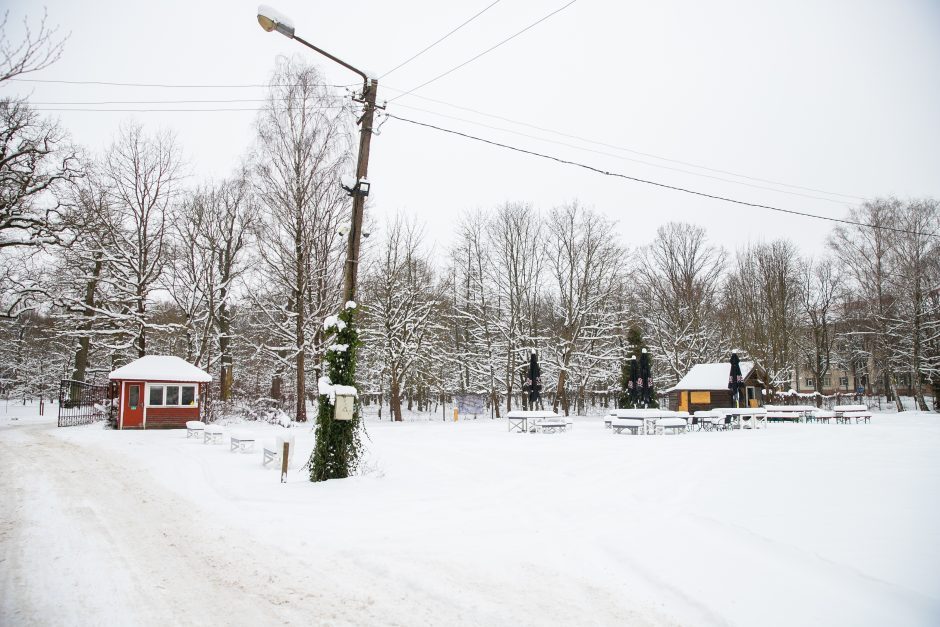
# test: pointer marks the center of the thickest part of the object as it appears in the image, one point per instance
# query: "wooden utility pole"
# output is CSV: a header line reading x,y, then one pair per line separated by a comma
x,y
351,271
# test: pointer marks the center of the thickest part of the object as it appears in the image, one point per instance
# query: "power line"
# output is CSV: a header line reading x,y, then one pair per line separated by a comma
x,y
623,148
654,183
623,158
412,58
490,49
149,110
166,85
448,104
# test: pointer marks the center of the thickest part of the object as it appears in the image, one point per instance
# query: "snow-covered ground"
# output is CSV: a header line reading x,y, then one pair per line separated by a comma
x,y
465,523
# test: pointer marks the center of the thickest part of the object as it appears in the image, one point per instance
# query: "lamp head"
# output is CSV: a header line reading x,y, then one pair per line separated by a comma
x,y
271,20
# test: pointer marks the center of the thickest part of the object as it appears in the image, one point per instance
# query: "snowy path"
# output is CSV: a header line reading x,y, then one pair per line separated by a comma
x,y
99,544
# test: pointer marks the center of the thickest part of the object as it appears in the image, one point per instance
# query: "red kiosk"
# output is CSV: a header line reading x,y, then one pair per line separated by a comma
x,y
159,392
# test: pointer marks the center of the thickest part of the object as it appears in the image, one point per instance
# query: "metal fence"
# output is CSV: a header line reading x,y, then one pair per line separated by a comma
x,y
81,403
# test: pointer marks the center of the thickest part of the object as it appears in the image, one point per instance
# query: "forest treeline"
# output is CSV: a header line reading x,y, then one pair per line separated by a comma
x,y
108,257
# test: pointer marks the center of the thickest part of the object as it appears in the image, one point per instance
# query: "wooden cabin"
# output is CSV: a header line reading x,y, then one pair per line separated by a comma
x,y
159,392
705,387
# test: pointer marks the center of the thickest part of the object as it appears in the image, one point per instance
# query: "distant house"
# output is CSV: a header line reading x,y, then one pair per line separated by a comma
x,y
706,387
159,392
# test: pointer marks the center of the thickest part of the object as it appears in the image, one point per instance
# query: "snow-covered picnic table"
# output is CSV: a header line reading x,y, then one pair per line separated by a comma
x,y
845,413
523,421
744,417
627,419
784,413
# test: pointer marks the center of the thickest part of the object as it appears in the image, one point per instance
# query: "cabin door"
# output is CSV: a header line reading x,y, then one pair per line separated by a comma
x,y
132,413
683,400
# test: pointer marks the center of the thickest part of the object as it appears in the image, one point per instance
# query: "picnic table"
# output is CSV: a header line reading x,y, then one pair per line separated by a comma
x,y
525,421
744,417
788,413
845,413
622,419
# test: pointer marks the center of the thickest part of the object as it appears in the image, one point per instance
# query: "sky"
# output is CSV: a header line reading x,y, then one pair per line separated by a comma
x,y
838,100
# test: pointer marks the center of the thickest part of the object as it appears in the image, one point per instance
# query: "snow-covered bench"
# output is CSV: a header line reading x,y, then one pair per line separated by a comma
x,y
195,429
213,434
272,450
820,415
674,425
788,413
846,413
554,425
632,425
241,441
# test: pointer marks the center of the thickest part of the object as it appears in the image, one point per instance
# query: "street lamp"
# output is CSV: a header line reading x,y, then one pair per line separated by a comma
x,y
337,442
272,20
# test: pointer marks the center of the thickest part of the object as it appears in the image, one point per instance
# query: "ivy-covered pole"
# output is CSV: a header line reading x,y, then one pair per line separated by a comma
x,y
338,445
338,448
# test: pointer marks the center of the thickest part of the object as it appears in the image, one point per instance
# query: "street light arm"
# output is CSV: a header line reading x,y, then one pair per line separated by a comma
x,y
329,56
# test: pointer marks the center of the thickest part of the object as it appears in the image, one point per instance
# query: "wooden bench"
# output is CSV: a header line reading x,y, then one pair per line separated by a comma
x,y
820,415
243,442
846,413
195,429
788,413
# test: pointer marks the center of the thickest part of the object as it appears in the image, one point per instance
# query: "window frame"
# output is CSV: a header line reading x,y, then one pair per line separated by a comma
x,y
179,394
810,383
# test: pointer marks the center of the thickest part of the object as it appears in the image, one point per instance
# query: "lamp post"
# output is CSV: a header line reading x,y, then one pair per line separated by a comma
x,y
337,444
272,20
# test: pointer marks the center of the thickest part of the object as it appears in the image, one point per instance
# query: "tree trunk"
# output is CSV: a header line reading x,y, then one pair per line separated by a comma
x,y
394,400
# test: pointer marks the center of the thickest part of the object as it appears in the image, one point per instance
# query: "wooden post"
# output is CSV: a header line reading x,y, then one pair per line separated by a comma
x,y
284,458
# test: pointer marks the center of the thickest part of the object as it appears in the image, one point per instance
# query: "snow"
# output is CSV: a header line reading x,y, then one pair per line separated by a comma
x,y
463,523
339,348
350,304
711,376
326,388
275,15
161,368
331,322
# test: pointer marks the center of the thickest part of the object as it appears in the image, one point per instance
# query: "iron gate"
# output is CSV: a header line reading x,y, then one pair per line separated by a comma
x,y
81,403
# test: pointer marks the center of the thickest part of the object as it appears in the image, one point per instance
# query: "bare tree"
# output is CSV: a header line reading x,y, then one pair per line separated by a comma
x,y
303,150
142,173
210,234
680,290
515,235
761,297
866,253
37,49
820,293
35,158
403,296
915,275
584,262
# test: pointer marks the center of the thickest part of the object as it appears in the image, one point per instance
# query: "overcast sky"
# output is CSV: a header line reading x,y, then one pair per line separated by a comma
x,y
842,97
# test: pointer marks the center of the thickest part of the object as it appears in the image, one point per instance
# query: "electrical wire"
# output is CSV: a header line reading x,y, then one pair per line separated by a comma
x,y
623,158
434,100
654,183
163,85
625,149
490,49
149,110
412,58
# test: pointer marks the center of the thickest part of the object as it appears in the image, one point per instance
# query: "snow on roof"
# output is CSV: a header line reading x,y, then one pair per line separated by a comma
x,y
161,368
711,376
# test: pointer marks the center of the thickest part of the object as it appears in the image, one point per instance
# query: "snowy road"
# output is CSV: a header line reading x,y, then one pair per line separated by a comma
x,y
86,540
